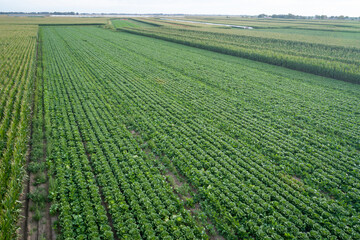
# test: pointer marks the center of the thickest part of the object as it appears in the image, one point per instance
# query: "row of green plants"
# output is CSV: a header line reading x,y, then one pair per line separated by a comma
x,y
320,59
237,130
17,64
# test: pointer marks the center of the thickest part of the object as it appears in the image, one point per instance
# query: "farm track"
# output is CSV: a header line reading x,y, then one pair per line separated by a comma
x,y
179,126
26,214
32,229
23,223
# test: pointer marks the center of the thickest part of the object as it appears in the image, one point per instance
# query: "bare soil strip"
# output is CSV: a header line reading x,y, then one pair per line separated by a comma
x,y
36,222
45,229
24,215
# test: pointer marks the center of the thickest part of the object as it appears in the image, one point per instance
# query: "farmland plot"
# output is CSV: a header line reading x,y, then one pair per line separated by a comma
x,y
266,149
322,59
17,58
269,152
120,23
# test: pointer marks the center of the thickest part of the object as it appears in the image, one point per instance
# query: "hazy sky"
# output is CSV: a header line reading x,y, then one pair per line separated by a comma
x,y
248,7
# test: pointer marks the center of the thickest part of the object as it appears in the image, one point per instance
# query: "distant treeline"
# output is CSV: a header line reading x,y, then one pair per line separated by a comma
x,y
285,16
41,13
76,13
292,16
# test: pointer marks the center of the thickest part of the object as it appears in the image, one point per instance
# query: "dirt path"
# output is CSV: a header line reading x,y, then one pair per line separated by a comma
x,y
36,222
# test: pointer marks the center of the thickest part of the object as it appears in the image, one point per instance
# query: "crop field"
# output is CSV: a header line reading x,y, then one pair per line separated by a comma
x,y
34,21
126,136
121,121
332,38
17,58
121,23
338,62
276,23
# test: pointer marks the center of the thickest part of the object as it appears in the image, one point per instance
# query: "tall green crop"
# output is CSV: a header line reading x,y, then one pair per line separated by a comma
x,y
17,59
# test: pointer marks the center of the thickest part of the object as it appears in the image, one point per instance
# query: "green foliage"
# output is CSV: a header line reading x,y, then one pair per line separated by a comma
x,y
35,167
237,130
17,58
38,196
121,23
321,59
90,170
184,189
40,178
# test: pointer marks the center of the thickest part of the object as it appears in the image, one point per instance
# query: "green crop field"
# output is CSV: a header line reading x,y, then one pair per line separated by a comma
x,y
121,23
276,23
17,58
323,59
126,136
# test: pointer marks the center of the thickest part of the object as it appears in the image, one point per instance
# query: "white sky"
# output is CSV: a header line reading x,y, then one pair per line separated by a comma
x,y
239,7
